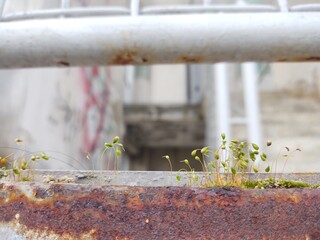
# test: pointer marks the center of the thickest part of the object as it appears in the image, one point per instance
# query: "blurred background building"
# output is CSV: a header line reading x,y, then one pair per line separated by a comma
x,y
70,112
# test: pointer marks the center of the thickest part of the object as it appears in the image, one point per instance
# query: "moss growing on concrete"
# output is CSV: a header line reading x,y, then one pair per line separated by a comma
x,y
276,183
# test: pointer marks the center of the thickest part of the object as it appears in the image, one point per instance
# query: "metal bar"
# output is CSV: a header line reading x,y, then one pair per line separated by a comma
x,y
193,79
131,70
210,116
107,11
306,8
66,12
251,100
222,99
65,4
129,84
283,5
161,39
135,7
180,9
2,4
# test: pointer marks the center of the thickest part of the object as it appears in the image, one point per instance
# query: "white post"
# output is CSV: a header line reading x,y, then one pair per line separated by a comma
x,y
222,100
283,5
2,3
65,4
129,84
251,101
131,70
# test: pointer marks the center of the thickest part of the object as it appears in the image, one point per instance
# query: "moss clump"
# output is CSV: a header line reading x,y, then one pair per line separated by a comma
x,y
316,185
276,183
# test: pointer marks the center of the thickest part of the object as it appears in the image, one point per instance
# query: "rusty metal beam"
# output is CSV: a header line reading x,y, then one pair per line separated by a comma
x,y
160,39
62,211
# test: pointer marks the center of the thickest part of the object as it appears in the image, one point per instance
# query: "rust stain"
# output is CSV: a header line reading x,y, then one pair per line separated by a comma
x,y
302,59
63,63
190,59
144,60
88,212
129,57
126,57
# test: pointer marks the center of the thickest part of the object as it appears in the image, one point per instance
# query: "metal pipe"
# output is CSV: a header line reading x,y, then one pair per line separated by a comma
x,y
210,111
2,4
129,84
251,101
222,105
65,3
306,8
131,70
135,7
66,12
283,5
178,9
161,39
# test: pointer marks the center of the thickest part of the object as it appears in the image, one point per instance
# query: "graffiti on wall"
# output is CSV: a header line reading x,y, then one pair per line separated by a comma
x,y
96,88
84,111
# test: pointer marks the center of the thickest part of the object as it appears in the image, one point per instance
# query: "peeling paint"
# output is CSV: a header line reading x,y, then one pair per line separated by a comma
x,y
74,211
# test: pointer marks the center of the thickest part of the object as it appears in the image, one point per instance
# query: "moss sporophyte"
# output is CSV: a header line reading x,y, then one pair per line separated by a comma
x,y
19,167
232,163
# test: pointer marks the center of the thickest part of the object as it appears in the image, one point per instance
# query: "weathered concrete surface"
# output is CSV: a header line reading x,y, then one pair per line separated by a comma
x,y
76,211
148,178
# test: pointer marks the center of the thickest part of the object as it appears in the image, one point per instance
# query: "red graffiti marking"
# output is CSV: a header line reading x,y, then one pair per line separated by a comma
x,y
96,100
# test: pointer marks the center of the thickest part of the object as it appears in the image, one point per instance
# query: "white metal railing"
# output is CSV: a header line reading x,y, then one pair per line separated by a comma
x,y
291,36
65,10
115,39
170,39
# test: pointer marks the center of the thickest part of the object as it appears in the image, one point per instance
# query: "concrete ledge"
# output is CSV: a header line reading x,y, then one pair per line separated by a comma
x,y
146,178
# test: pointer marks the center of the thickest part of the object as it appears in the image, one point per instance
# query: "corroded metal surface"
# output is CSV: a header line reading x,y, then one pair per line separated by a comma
x,y
71,211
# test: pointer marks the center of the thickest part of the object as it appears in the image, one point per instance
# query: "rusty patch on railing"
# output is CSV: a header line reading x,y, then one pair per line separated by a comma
x,y
126,57
302,59
132,57
190,59
74,211
129,57
63,63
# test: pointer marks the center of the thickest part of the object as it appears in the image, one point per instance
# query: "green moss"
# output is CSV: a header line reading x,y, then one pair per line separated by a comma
x,y
316,185
276,183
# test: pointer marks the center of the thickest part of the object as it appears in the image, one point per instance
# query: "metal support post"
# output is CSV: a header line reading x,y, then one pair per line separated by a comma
x,y
283,5
2,4
131,69
222,100
65,4
251,101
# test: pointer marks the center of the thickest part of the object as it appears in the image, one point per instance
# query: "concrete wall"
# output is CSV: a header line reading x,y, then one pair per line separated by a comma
x,y
291,113
72,111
